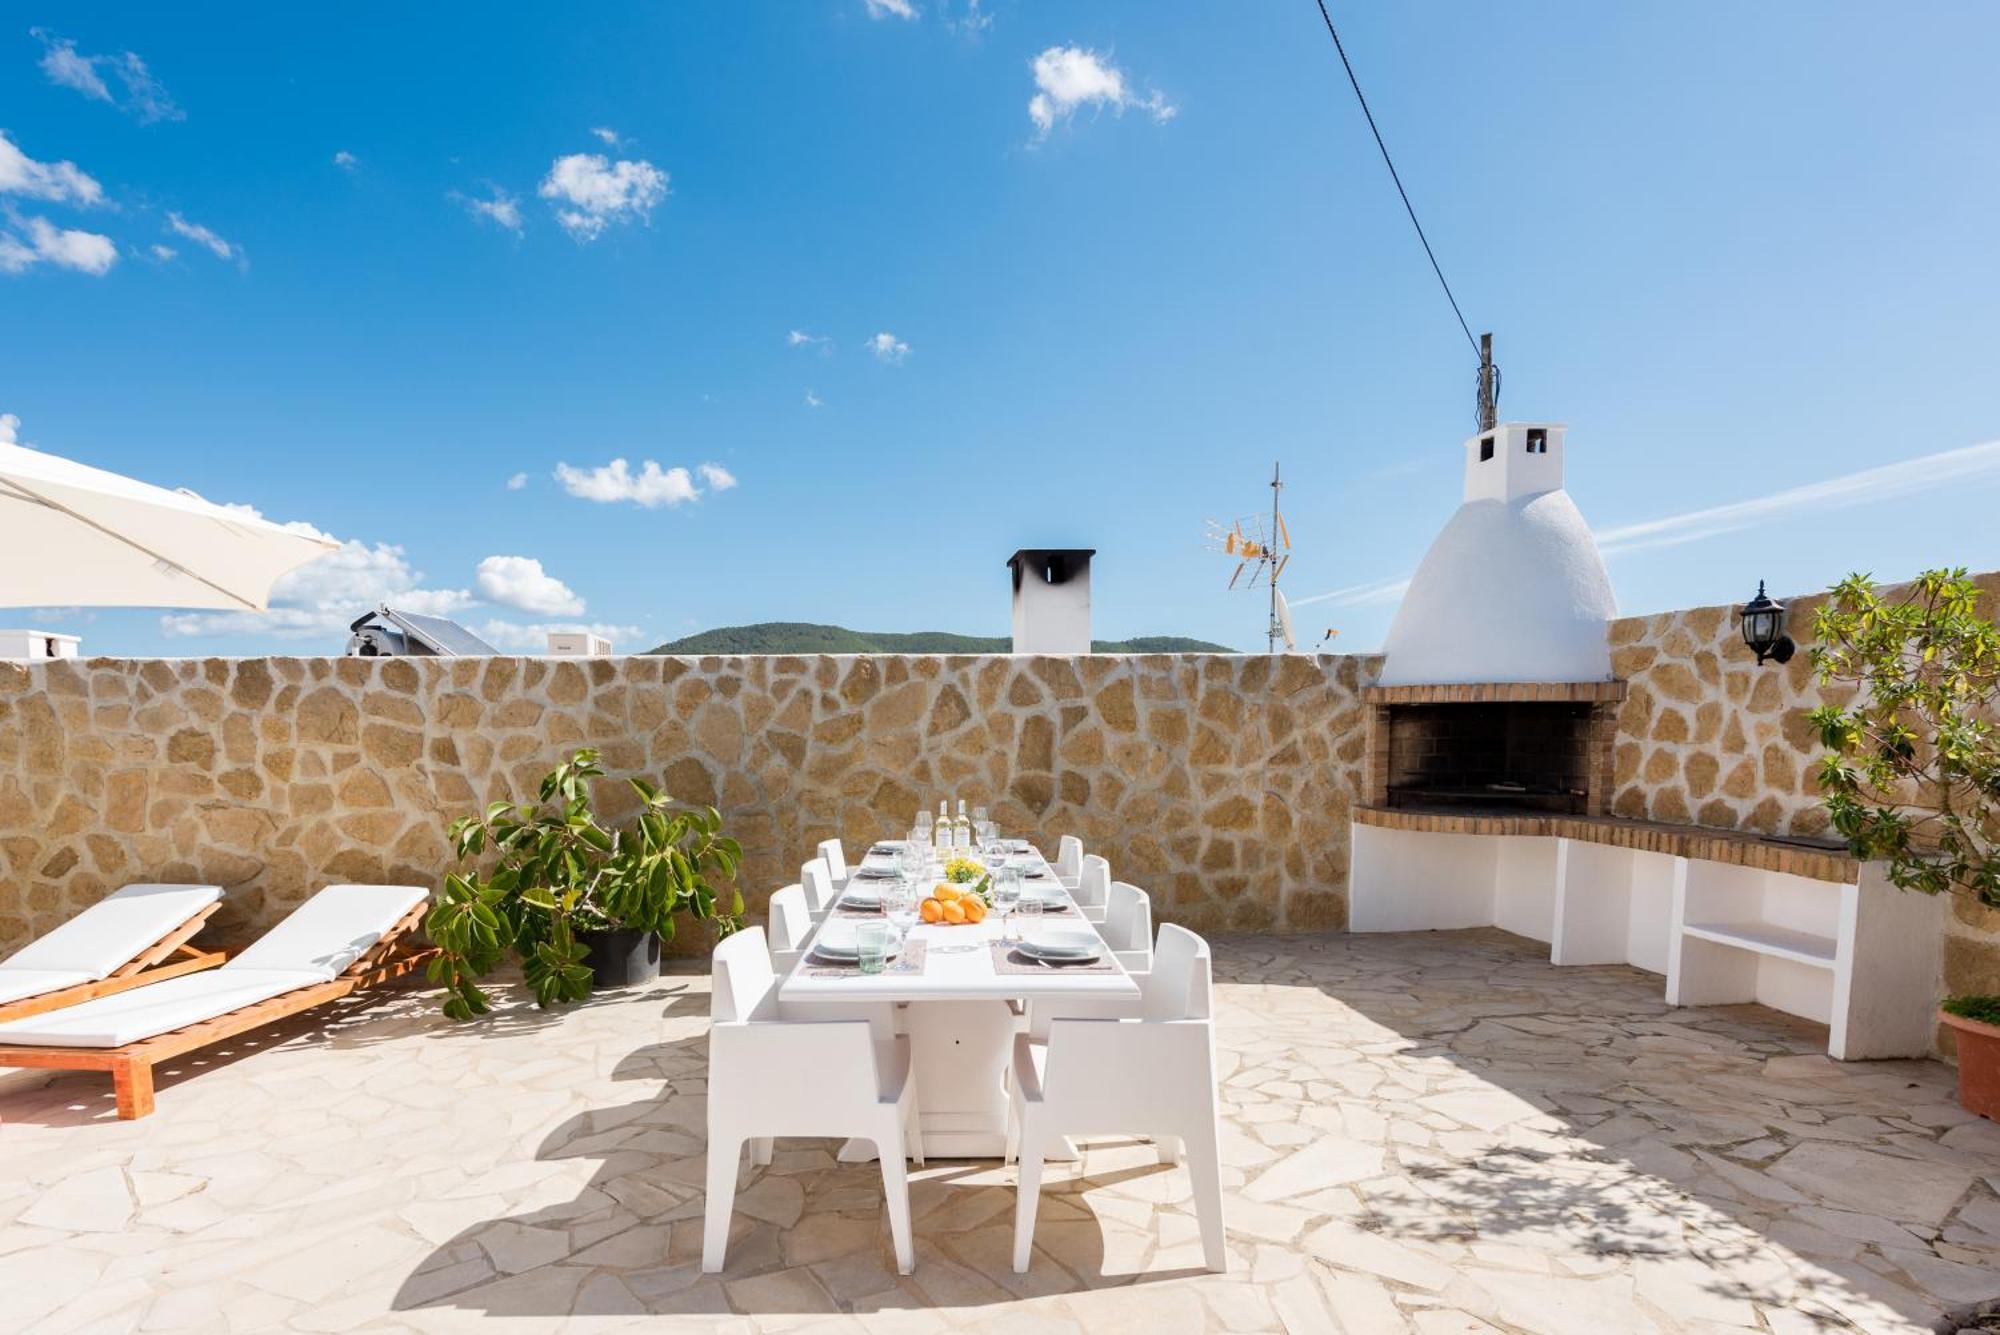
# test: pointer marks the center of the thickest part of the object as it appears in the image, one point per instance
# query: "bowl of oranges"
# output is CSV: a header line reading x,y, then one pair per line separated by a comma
x,y
950,905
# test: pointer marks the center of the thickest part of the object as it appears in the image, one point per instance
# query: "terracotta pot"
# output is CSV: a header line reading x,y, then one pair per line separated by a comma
x,y
1978,1064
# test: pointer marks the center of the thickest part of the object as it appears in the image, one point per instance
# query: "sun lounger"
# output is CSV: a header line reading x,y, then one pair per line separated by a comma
x,y
133,938
343,938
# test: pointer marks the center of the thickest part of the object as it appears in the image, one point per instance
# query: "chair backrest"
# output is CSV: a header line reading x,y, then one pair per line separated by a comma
x,y
1128,918
835,858
114,929
1094,886
791,920
743,985
1179,986
1069,857
817,878
331,930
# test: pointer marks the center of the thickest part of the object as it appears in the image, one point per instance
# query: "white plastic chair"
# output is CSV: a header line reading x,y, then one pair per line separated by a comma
x,y
1128,927
1069,861
835,858
769,1076
1154,1075
1092,891
791,927
817,878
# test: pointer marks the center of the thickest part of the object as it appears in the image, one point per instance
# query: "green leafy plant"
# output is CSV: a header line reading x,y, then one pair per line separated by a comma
x,y
556,871
1912,774
1986,1010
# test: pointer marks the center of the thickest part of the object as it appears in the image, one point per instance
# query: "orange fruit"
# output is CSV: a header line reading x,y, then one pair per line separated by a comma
x,y
931,910
946,891
954,911
975,908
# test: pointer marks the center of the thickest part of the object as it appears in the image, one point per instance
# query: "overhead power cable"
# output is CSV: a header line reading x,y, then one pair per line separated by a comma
x,y
1397,178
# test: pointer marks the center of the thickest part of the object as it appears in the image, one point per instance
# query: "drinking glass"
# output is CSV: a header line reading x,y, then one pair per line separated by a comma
x,y
900,902
1006,898
1027,913
979,815
871,946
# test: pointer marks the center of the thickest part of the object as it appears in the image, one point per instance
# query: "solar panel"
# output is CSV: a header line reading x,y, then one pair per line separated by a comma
x,y
387,631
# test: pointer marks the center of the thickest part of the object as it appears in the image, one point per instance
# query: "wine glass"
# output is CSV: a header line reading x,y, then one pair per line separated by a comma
x,y
1006,897
900,902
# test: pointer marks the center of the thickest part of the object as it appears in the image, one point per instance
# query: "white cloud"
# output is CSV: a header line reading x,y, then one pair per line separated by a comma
x,y
1069,77
321,599
345,160
607,134
974,19
10,429
37,240
1361,595
888,348
534,639
57,182
517,482
589,192
145,97
814,401
162,253
1870,485
884,9
716,476
202,236
651,486
502,208
799,338
520,581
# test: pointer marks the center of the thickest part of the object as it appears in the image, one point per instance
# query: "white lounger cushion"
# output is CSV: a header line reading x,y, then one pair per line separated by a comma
x,y
157,1008
112,932
16,984
331,930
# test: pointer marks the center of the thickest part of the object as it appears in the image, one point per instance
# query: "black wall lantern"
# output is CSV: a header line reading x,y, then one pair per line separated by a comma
x,y
1764,628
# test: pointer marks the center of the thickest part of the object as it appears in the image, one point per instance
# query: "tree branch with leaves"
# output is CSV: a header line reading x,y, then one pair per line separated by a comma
x,y
1912,774
557,871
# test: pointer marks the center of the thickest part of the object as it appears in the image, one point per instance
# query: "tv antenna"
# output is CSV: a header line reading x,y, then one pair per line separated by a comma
x,y
1262,548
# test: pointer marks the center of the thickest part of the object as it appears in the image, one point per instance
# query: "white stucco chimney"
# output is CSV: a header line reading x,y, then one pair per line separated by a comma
x,y
1513,588
36,645
1051,600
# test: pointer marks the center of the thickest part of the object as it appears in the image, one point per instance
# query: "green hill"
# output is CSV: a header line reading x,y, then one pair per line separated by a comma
x,y
799,637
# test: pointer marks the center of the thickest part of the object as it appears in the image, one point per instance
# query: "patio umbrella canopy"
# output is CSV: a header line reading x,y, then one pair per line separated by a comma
x,y
76,536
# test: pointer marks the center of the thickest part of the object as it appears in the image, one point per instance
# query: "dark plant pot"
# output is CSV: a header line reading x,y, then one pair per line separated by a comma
x,y
621,956
1978,1064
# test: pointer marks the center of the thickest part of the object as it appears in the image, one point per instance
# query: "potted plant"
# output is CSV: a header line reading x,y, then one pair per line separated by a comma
x,y
581,905
1912,774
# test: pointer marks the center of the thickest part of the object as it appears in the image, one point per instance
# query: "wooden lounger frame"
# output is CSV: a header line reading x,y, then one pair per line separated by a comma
x,y
169,957
131,1066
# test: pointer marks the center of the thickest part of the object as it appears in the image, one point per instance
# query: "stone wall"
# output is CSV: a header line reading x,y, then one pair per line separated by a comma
x,y
1707,736
1219,783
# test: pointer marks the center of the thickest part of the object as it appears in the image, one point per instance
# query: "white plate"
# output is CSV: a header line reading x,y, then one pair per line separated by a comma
x,y
862,896
837,940
1062,943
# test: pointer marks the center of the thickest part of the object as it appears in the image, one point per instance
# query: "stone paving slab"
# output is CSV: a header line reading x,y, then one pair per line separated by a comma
x,y
1437,1132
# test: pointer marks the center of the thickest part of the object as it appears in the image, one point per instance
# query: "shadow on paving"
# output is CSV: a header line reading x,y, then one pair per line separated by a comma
x,y
40,1097
809,1234
1720,1136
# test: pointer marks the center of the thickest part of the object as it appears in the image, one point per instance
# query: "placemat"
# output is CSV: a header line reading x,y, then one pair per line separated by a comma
x,y
847,910
911,961
1007,960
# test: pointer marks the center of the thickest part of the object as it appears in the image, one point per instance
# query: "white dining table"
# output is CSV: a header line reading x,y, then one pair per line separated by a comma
x,y
958,1017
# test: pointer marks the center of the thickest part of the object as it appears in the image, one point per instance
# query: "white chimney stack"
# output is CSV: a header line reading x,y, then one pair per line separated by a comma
x,y
577,644
1051,600
36,646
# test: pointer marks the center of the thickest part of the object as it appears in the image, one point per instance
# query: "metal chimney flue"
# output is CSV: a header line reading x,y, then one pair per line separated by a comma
x,y
1051,599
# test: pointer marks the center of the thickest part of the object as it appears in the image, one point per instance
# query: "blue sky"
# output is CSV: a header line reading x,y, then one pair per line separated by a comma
x,y
1746,252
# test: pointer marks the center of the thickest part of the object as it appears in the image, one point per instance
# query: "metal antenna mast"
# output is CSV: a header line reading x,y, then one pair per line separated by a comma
x,y
1275,630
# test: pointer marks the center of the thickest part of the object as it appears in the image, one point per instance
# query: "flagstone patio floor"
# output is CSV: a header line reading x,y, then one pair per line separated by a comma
x,y
1427,1133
